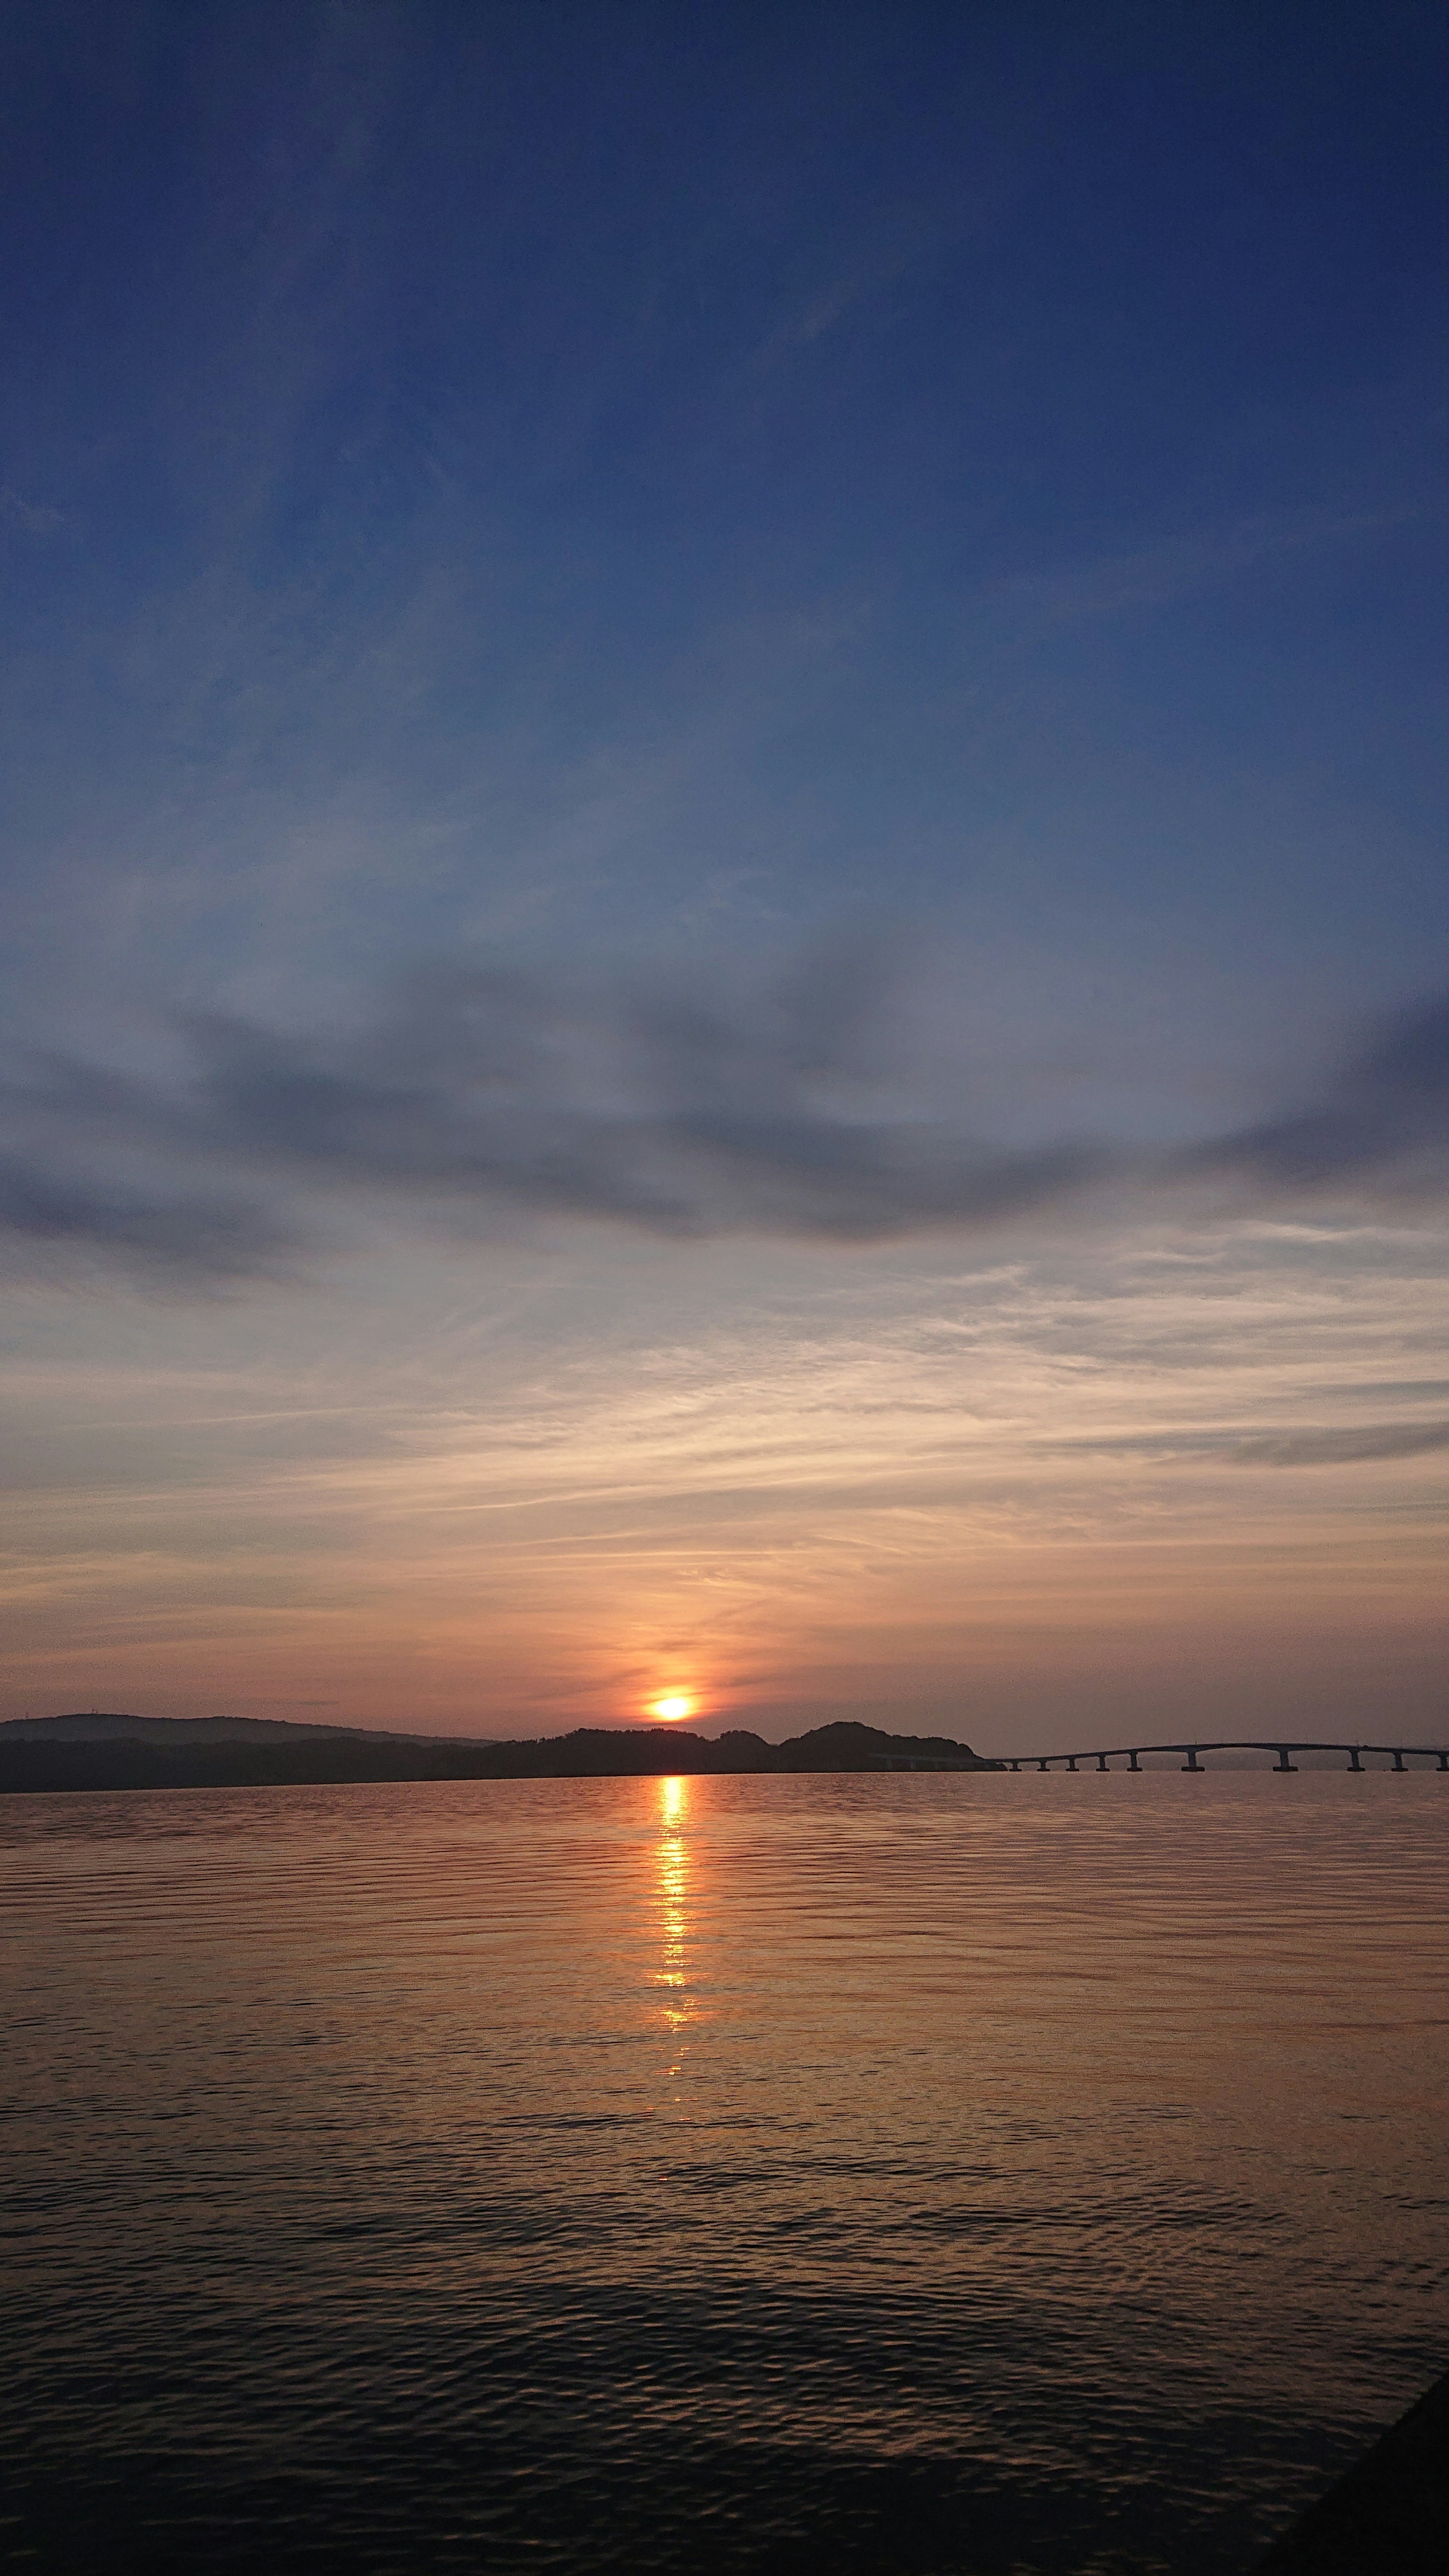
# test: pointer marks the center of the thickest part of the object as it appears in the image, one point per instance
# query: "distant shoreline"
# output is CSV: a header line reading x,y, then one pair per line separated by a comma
x,y
44,1756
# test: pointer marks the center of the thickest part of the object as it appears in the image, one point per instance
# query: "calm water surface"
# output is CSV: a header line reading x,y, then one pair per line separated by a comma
x,y
1007,2176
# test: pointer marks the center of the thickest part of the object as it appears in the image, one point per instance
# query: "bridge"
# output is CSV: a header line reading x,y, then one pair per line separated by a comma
x,y
1399,1756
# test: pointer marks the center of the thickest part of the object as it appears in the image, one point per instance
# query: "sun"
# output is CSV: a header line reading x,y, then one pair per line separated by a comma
x,y
674,1704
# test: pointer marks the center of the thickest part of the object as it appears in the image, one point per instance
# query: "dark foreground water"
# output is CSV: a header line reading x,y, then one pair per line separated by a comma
x,y
1004,2176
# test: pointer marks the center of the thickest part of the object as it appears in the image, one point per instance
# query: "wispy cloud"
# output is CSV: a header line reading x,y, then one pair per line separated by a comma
x,y
1385,1118
486,1092
483,1095
1178,567
1351,1445
36,518
192,1238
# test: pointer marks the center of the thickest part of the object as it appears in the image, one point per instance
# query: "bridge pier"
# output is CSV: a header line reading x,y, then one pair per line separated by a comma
x,y
1134,1755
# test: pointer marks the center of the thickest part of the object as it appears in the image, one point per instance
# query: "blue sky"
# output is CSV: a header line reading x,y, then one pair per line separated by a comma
x,y
695,695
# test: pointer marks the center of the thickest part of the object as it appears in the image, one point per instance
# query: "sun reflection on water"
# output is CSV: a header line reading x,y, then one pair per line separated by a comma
x,y
677,2001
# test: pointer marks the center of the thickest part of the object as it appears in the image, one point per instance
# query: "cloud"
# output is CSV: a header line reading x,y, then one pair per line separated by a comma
x,y
1178,568
1349,1448
482,1096
489,1094
193,1238
35,517
1384,1120
1354,1446
682,1112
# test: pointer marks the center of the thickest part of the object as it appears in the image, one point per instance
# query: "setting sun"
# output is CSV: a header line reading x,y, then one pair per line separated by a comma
x,y
675,1704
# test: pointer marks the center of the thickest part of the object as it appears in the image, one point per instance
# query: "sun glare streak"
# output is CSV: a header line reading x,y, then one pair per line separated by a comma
x,y
677,2002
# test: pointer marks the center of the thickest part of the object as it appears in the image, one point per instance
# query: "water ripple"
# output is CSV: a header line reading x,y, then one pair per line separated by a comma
x,y
1017,2177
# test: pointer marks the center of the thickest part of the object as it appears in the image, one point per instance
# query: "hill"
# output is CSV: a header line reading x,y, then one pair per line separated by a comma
x,y
104,1750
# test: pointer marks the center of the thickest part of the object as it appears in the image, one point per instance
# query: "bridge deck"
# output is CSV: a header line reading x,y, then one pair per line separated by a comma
x,y
1398,1756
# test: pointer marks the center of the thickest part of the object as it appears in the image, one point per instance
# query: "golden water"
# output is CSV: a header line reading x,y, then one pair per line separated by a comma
x,y
1005,2175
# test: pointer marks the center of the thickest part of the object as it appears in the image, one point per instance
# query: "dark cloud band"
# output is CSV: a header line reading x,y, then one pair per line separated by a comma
x,y
191,1237
1385,1119
482,1096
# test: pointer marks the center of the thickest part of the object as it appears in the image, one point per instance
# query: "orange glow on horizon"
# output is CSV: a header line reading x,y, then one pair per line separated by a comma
x,y
675,1704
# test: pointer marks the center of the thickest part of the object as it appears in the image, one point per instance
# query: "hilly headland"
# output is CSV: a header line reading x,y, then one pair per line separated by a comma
x,y
96,1749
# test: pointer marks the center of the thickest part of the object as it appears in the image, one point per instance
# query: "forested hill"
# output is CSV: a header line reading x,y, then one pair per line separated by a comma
x,y
107,1751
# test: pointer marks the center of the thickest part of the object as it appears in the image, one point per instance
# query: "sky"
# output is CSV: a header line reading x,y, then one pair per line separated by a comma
x,y
726,934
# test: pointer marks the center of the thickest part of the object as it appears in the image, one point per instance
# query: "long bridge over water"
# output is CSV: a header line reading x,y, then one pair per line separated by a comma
x,y
1398,1756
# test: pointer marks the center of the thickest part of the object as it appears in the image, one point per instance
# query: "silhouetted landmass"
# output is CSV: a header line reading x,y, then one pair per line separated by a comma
x,y
94,1725
95,1750
1389,2515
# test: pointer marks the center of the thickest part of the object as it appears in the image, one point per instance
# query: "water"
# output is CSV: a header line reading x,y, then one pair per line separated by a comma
x,y
1009,2176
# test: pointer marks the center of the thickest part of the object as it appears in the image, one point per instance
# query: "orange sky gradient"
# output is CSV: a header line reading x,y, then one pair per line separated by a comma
x,y
1137,1484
